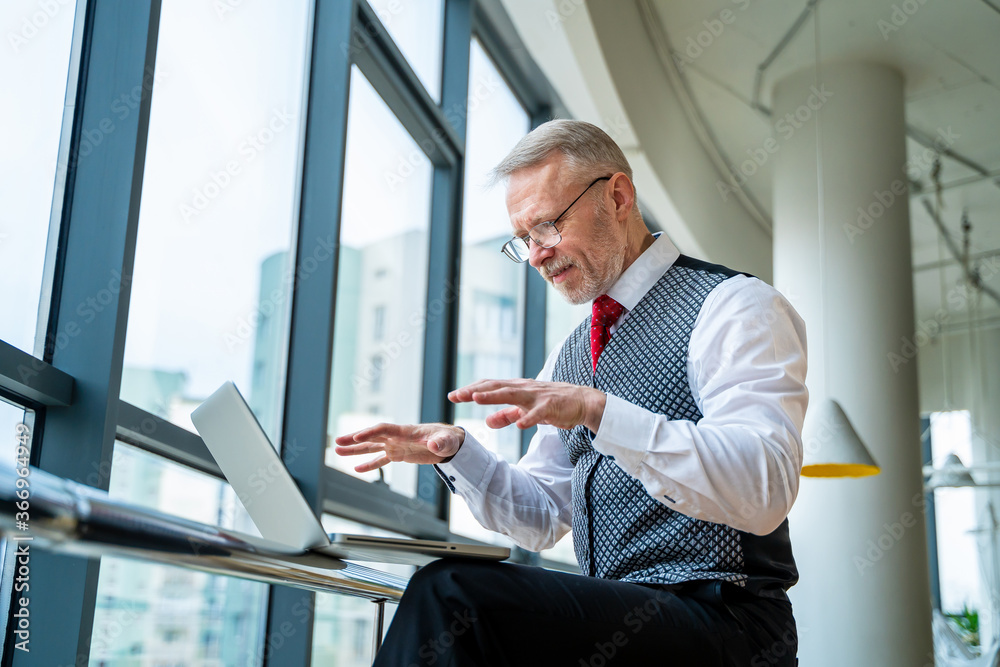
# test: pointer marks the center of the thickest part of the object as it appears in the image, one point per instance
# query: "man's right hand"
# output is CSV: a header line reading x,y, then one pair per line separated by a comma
x,y
416,443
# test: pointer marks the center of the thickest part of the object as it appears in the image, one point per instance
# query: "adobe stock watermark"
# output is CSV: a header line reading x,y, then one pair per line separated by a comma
x,y
564,9
121,107
323,250
275,640
890,535
264,476
33,24
929,329
898,17
249,149
711,29
883,200
479,91
640,616
223,8
110,628
786,644
785,127
437,647
87,311
634,621
404,339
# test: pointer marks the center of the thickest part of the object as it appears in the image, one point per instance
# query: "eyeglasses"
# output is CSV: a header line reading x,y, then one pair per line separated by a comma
x,y
544,235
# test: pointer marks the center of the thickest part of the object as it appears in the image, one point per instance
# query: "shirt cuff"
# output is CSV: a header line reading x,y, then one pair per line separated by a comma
x,y
470,467
624,433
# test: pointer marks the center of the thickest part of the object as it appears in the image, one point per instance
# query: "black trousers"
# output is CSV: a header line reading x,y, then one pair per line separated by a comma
x,y
473,614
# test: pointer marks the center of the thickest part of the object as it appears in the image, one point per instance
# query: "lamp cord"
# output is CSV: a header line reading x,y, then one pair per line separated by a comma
x,y
821,211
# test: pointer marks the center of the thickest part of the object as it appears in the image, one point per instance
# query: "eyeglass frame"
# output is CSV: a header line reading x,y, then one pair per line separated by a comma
x,y
507,248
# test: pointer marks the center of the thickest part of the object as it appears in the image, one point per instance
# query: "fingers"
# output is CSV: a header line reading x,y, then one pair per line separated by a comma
x,y
443,447
377,431
464,394
359,448
374,464
505,396
504,417
532,418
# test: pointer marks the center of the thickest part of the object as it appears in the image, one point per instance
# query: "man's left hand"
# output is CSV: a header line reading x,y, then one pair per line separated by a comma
x,y
531,402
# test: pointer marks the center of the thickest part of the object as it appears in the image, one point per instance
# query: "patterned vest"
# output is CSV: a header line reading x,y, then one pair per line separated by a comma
x,y
619,530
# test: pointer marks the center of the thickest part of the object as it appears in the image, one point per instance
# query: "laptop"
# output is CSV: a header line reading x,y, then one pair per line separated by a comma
x,y
279,510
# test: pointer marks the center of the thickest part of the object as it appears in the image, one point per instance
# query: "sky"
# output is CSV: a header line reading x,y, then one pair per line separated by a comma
x,y
34,62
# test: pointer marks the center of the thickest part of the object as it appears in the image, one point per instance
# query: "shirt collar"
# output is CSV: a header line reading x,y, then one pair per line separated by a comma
x,y
648,268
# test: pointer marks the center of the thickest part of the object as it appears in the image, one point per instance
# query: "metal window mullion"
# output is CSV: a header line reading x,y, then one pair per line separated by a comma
x,y
534,311
160,437
24,378
310,352
373,50
89,310
495,30
441,333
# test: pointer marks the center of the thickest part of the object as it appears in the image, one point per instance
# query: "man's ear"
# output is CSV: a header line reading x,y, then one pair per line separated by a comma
x,y
623,193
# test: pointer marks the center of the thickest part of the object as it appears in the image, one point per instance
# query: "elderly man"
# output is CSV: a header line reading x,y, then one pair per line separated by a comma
x,y
668,440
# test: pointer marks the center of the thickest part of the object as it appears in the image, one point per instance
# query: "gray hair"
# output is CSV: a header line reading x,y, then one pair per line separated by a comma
x,y
587,149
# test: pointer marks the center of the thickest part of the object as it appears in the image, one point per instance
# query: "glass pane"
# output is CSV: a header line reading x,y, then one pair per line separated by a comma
x,y
211,287
491,300
343,627
158,615
378,348
34,66
561,317
416,27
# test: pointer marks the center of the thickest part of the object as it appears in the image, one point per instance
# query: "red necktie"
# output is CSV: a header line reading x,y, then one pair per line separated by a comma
x,y
606,312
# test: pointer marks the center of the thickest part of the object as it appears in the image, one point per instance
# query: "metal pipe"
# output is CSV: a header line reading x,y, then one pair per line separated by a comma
x,y
665,53
785,40
379,624
79,520
971,276
979,467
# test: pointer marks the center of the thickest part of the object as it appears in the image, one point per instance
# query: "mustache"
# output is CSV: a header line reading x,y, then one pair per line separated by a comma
x,y
553,267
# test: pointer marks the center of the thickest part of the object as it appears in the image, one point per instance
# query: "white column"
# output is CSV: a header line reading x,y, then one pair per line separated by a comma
x,y
864,593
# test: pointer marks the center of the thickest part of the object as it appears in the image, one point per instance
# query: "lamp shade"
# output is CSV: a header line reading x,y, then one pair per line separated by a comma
x,y
952,473
831,446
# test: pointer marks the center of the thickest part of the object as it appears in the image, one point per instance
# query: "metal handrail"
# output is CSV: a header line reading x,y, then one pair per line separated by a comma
x,y
70,518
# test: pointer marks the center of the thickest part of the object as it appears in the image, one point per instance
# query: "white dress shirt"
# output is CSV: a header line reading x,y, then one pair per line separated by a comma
x,y
739,465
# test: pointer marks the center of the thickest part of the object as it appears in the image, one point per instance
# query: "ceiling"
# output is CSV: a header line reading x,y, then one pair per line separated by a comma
x,y
949,54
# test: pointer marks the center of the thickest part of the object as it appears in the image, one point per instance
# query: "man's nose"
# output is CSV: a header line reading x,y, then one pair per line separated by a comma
x,y
537,254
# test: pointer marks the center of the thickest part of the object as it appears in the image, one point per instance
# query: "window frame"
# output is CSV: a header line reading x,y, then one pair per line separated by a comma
x,y
74,390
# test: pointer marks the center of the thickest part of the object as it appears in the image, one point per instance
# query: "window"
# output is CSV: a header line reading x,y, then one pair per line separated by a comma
x,y
385,227
343,627
378,329
214,262
213,268
491,300
561,318
149,613
376,363
416,28
34,66
966,559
